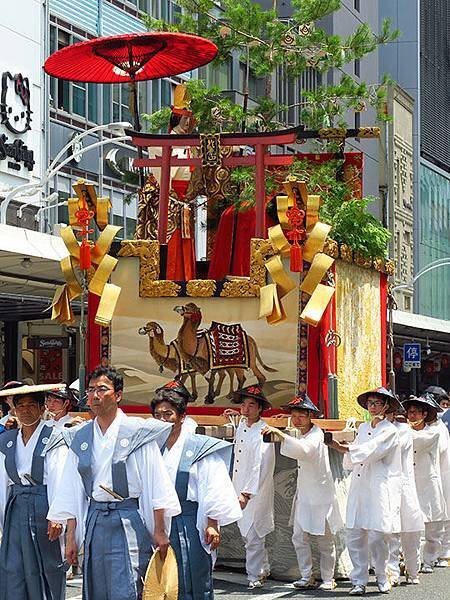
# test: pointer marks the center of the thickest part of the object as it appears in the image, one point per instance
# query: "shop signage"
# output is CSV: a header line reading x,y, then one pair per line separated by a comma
x,y
46,342
15,115
411,356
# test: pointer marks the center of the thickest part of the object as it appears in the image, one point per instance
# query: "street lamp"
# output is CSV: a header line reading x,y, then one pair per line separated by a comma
x,y
392,305
29,189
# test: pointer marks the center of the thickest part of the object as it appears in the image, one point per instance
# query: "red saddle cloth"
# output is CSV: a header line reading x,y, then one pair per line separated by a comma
x,y
228,346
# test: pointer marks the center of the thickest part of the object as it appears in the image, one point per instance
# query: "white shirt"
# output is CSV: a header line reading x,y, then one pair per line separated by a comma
x,y
427,473
209,484
147,476
315,501
53,466
59,424
410,513
253,468
374,496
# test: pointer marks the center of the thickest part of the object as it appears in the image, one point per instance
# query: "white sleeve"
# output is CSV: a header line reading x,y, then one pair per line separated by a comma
x,y
298,449
158,490
4,489
374,450
425,439
216,495
69,498
55,461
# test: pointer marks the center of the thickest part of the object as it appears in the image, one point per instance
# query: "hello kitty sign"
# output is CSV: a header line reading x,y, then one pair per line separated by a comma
x,y
15,115
15,108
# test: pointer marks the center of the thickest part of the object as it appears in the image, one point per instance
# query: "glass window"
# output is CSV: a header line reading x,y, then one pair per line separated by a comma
x,y
357,67
92,102
106,104
166,93
79,99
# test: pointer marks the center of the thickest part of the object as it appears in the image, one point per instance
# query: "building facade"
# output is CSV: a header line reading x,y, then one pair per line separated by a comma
x,y
420,64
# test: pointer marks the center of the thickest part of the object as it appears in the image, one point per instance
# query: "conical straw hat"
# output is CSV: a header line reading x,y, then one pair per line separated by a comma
x,y
30,389
161,579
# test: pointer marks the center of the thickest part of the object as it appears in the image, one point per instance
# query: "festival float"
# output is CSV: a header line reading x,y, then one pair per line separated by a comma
x,y
220,293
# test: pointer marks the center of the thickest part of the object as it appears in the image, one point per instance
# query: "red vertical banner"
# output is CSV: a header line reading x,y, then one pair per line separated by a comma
x,y
383,320
50,361
93,335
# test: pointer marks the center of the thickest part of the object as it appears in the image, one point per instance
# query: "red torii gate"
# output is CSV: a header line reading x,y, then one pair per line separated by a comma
x,y
260,159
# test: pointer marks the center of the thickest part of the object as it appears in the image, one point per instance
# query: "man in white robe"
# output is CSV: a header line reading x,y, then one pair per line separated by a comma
x,y
442,400
373,506
426,439
253,469
315,510
411,518
58,404
31,559
115,494
198,466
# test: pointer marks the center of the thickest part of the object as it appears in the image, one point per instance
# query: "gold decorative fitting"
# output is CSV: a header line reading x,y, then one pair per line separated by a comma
x,y
331,247
160,289
210,150
151,287
363,261
389,267
346,253
378,264
369,132
201,288
332,133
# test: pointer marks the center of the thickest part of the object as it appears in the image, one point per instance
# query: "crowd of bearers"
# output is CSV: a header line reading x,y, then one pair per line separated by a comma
x,y
117,488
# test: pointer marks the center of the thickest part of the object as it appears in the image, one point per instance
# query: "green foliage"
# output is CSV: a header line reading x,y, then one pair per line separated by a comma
x,y
351,221
243,183
295,44
355,226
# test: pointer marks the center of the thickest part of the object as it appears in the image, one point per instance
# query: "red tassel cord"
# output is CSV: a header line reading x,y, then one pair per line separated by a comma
x,y
85,256
84,215
297,235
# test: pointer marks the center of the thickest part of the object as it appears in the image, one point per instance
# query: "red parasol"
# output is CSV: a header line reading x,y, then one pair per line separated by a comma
x,y
130,57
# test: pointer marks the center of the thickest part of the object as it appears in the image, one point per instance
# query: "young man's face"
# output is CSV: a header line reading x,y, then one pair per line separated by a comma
x,y
28,410
376,405
415,413
251,409
57,406
164,411
101,397
444,404
300,418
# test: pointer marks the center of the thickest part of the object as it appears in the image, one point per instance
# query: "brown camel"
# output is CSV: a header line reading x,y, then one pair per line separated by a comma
x,y
168,355
194,348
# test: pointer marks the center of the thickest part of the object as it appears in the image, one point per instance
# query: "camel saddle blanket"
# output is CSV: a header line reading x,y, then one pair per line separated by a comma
x,y
228,346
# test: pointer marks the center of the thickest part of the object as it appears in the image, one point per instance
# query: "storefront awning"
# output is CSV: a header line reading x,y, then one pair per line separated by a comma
x,y
421,327
29,272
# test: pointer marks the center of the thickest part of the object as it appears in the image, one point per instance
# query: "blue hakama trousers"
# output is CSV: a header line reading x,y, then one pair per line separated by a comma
x,y
117,550
31,567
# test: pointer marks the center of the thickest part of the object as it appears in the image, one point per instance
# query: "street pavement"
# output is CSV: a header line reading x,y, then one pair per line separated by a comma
x,y
435,586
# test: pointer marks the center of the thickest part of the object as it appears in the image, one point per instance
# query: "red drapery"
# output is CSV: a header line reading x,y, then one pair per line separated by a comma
x,y
383,320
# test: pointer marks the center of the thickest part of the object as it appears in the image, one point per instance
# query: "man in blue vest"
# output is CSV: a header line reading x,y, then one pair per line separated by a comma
x,y
115,493
198,465
31,562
